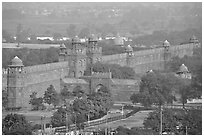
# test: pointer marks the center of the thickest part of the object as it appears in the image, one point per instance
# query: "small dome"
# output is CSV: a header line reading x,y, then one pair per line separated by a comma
x,y
62,46
76,40
166,43
16,62
193,39
183,69
129,48
93,38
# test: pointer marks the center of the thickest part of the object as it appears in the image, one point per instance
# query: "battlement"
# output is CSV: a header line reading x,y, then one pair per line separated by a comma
x,y
101,74
76,51
94,50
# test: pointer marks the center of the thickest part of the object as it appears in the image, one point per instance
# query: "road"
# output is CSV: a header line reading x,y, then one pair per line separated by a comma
x,y
135,120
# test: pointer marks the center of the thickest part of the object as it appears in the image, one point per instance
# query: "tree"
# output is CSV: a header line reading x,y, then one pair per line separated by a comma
x,y
85,32
7,36
61,116
116,70
51,96
65,93
37,103
15,124
194,64
78,91
155,88
173,118
57,36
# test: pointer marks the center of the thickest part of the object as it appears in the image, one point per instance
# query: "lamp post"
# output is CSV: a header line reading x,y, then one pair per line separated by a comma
x,y
42,124
66,122
161,120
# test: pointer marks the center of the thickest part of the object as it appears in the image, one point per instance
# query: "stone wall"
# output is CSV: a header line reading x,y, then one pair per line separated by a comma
x,y
142,61
38,78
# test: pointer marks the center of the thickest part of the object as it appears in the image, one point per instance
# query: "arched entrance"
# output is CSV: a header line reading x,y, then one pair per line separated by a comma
x,y
99,87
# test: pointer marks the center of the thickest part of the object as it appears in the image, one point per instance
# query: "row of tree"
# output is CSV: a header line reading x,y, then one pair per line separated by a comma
x,y
175,122
116,70
30,56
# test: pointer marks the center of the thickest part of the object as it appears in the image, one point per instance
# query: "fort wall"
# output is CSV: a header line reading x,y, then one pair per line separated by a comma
x,y
38,78
142,61
119,59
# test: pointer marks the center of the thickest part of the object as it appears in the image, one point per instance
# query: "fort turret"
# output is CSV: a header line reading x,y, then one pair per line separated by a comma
x,y
15,83
94,52
167,53
183,72
76,57
195,41
62,54
129,51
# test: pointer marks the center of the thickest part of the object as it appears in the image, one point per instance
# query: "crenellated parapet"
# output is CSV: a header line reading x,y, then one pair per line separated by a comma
x,y
101,75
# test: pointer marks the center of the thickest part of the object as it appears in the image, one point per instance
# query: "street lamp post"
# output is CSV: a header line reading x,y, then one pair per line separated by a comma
x,y
161,120
66,122
186,130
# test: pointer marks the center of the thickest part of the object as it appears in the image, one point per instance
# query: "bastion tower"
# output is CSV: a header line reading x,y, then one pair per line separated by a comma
x,y
94,52
15,83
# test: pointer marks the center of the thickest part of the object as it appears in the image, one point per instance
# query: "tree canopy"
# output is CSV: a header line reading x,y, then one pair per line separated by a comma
x,y
15,124
37,103
175,121
51,96
155,88
116,70
194,64
93,105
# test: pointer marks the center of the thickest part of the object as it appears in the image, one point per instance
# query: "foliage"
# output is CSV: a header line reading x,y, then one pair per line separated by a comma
x,y
4,98
116,70
65,93
172,119
78,91
14,124
57,36
155,88
84,32
59,117
51,96
7,36
102,102
194,64
37,103
30,57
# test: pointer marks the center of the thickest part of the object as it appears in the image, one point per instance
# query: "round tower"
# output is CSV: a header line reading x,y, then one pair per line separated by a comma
x,y
15,83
